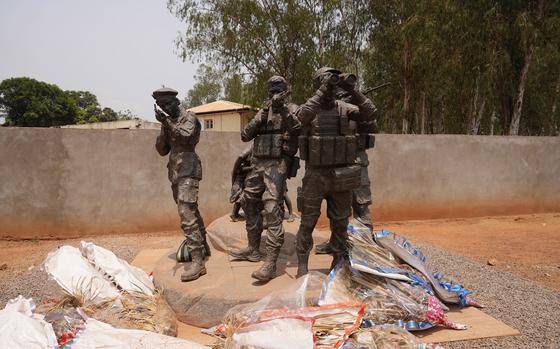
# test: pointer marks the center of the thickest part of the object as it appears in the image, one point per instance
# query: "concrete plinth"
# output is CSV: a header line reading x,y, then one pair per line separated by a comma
x,y
204,302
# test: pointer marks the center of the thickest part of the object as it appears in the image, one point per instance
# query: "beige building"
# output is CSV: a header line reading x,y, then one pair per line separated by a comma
x,y
223,116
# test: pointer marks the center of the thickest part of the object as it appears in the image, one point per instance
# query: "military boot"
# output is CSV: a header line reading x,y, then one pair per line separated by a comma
x,y
196,268
268,270
246,254
250,253
337,258
206,246
324,248
303,261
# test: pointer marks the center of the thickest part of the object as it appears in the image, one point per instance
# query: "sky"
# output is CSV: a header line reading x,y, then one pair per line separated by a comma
x,y
119,50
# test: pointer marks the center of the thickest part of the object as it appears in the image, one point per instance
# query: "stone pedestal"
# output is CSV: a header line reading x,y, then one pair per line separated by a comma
x,y
204,302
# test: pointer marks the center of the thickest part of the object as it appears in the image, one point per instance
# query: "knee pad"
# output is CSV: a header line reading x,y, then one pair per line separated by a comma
x,y
272,214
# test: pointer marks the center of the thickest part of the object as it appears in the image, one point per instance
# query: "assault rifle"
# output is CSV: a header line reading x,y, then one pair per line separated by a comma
x,y
371,89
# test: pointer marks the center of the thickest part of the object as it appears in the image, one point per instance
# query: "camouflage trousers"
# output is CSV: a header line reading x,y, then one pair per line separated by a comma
x,y
318,186
263,196
361,199
185,194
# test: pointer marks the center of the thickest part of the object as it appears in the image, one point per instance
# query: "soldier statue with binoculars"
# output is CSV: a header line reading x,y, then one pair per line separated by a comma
x,y
329,144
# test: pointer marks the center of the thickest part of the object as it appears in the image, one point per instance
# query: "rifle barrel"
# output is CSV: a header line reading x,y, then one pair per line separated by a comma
x,y
371,89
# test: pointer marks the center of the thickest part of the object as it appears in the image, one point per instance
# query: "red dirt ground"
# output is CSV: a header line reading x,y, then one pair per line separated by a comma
x,y
527,245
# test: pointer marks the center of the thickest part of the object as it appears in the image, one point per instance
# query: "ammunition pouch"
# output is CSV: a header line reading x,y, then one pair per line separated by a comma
x,y
346,178
328,150
366,141
268,145
293,166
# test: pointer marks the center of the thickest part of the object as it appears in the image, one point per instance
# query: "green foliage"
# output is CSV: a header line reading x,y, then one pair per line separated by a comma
x,y
206,89
32,103
89,110
126,115
456,67
233,89
213,84
29,102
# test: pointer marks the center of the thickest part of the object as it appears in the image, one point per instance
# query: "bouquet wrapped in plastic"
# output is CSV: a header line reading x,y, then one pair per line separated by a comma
x,y
293,310
387,301
446,290
386,337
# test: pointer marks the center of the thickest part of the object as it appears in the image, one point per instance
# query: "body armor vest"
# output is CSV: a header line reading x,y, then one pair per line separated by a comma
x,y
331,140
270,139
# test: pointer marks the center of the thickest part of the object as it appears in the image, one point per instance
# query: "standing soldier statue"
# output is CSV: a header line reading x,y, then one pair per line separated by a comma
x,y
180,132
274,131
361,196
329,147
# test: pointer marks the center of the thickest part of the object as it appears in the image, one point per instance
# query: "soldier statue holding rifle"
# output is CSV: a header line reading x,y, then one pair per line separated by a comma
x,y
180,132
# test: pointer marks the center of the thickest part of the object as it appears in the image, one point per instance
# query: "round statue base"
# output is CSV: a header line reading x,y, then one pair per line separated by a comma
x,y
228,282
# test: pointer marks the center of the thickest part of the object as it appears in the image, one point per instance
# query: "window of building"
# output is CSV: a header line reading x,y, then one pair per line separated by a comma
x,y
208,123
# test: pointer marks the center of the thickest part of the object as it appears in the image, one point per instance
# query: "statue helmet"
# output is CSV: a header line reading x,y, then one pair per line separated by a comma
x,y
276,84
164,92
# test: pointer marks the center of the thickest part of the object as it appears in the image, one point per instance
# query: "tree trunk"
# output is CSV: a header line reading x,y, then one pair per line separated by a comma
x,y
553,124
442,120
476,121
518,102
474,108
406,84
423,119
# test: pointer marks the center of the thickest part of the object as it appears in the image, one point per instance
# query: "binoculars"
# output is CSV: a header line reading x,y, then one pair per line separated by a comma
x,y
346,78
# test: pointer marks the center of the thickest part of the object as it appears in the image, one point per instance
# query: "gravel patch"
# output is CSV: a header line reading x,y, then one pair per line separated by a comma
x,y
529,307
520,303
36,284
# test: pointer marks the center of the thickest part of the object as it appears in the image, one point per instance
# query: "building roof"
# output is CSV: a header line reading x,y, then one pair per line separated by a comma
x,y
119,124
219,107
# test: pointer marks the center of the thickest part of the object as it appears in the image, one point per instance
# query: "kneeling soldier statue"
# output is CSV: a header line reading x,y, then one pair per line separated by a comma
x,y
180,132
274,131
329,146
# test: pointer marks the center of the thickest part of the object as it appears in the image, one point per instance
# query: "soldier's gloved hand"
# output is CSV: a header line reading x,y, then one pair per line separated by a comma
x,y
328,84
259,116
277,100
160,116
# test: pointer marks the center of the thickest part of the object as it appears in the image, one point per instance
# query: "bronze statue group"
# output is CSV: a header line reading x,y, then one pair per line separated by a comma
x,y
331,132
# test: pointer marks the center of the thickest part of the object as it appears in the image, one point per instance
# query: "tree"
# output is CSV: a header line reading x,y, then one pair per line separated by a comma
x,y
262,38
29,102
233,89
207,88
475,67
89,109
126,115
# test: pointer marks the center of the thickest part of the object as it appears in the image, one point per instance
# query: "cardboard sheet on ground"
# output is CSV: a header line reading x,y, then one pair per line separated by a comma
x,y
481,325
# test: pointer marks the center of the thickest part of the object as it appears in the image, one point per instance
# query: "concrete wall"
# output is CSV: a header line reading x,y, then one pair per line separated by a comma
x,y
419,177
68,182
